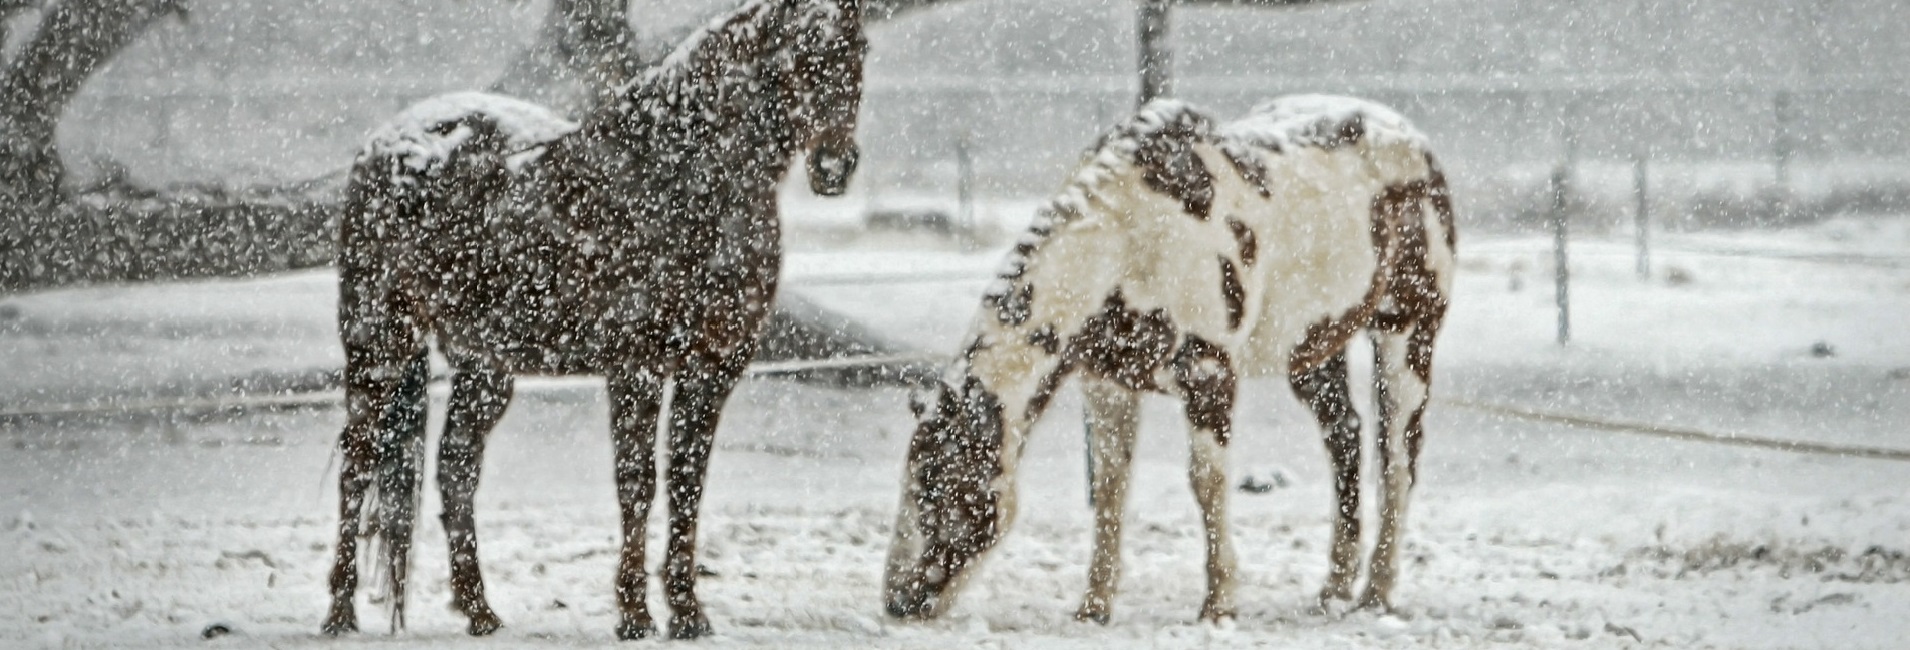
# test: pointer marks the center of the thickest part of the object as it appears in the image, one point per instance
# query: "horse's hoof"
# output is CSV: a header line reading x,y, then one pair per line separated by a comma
x,y
635,628
691,626
1374,602
483,624
1096,615
337,625
1332,592
1215,614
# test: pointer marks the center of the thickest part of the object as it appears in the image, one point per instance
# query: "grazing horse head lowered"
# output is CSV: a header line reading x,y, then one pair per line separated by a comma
x,y
641,244
1184,256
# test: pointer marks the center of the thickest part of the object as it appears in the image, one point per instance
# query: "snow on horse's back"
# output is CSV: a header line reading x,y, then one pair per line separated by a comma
x,y
1183,255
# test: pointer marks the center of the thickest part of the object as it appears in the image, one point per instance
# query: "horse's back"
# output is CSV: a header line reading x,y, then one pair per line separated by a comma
x,y
423,136
1283,246
1346,180
418,228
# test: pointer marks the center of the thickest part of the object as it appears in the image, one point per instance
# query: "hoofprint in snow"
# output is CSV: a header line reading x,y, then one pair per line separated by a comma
x,y
143,530
1187,255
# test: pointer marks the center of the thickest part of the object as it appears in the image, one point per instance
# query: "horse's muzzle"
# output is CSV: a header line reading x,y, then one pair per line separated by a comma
x,y
916,607
831,166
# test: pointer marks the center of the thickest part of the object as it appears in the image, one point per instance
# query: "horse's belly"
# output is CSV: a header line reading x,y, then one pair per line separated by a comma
x,y
1307,279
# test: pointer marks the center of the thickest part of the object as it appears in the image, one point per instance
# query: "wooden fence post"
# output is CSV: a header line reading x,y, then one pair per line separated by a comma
x,y
1640,179
1561,189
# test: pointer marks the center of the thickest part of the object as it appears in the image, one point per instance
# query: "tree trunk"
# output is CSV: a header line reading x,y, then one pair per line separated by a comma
x,y
584,51
74,38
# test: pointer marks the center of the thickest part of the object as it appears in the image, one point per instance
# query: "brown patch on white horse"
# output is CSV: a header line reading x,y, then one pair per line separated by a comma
x,y
953,458
1165,155
1248,246
1232,294
1119,344
1013,306
1204,373
1331,133
1250,169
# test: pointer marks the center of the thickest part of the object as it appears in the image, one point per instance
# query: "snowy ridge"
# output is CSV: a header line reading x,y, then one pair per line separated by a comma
x,y
1307,120
416,137
1278,124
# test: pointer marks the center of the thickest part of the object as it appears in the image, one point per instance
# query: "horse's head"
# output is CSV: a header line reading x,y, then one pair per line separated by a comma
x,y
822,88
956,500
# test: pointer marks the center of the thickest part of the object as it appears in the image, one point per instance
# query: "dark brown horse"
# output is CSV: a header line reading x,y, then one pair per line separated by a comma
x,y
642,244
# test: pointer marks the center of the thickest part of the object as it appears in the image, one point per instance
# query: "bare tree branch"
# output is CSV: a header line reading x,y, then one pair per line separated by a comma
x,y
9,9
73,40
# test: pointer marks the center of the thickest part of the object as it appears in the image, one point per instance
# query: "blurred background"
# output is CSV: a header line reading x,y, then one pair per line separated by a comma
x,y
1671,400
1733,104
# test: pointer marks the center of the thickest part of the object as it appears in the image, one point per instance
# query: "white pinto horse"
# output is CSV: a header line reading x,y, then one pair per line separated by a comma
x,y
1184,256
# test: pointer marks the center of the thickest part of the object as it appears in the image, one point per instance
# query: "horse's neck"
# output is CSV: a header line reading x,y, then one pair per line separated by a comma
x,y
1055,279
1010,367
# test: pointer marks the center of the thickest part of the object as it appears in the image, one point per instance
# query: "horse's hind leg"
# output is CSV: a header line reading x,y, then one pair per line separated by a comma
x,y
1112,420
372,376
697,404
635,399
1401,383
1324,390
479,395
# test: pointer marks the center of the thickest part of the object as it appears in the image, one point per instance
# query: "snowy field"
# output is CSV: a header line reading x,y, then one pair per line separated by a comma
x,y
142,530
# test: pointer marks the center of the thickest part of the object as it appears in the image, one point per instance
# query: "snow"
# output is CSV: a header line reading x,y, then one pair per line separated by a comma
x,y
142,530
1296,119
409,136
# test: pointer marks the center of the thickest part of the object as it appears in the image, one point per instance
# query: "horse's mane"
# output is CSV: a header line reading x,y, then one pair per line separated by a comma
x,y
675,81
1116,149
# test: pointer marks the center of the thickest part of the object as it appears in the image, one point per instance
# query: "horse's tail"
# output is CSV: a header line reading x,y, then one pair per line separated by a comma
x,y
400,469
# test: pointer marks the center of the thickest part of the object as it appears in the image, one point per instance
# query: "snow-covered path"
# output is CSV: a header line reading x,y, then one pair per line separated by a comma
x,y
139,531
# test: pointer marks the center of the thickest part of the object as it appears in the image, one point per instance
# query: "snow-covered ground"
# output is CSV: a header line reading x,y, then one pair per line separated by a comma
x,y
141,530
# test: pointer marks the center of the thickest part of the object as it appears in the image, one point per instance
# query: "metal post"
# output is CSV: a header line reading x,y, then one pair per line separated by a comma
x,y
1781,142
1561,182
1640,177
1781,146
964,194
1156,69
1087,420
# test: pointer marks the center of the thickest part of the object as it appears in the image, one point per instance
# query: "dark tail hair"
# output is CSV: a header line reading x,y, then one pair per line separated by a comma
x,y
400,468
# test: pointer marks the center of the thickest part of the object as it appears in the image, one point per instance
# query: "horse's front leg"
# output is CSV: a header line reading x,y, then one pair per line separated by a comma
x,y
1112,419
701,390
1205,374
636,396
1209,476
478,397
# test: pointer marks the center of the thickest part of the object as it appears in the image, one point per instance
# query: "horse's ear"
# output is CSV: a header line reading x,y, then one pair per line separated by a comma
x,y
916,405
850,8
932,395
